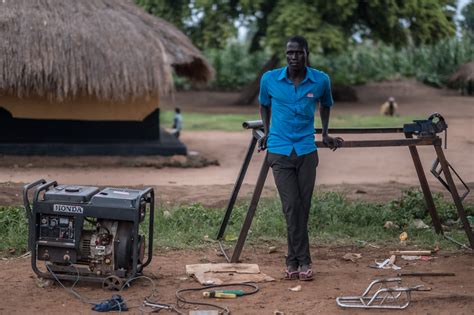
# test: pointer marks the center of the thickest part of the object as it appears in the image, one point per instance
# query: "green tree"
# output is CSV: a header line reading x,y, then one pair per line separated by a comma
x,y
329,26
468,23
209,23
176,12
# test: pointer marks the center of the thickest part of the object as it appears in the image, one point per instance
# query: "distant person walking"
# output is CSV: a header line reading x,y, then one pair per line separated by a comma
x,y
177,122
390,107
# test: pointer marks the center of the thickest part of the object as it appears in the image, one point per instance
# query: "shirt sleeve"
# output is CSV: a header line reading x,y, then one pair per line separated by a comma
x,y
326,98
264,98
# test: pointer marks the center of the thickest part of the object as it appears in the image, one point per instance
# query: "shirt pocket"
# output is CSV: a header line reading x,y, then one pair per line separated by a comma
x,y
306,108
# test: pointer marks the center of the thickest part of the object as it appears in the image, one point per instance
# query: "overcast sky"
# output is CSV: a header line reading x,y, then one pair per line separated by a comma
x,y
461,4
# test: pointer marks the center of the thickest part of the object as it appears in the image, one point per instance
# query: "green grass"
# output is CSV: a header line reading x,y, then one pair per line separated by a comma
x,y
334,220
233,122
13,229
207,121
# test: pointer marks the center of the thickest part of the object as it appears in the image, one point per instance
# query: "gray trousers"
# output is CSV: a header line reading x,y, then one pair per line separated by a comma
x,y
295,177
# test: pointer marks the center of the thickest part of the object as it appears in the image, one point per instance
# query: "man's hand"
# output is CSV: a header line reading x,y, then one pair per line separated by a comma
x,y
332,143
262,143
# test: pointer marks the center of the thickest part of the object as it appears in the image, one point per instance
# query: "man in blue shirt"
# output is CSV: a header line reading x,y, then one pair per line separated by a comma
x,y
288,97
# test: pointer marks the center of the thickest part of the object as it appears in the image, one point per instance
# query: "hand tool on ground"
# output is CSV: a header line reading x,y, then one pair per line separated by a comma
x,y
219,295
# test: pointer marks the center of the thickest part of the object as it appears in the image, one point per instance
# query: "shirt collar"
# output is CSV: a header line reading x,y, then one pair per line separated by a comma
x,y
309,74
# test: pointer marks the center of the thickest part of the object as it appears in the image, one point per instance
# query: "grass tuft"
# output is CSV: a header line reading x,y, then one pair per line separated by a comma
x,y
13,229
333,220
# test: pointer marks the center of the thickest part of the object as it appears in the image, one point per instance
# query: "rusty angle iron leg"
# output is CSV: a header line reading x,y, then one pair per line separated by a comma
x,y
425,187
251,211
455,194
237,185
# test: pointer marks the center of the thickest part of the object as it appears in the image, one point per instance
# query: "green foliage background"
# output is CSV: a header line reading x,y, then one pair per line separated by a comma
x,y
430,64
328,25
468,21
353,41
358,64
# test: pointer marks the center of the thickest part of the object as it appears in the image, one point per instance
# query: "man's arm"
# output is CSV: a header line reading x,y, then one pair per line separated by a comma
x,y
265,114
324,112
332,143
265,111
175,122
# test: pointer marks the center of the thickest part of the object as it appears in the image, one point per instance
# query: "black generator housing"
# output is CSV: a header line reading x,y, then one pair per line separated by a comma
x,y
87,234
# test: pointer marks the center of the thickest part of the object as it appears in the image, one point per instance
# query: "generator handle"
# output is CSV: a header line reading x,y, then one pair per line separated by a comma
x,y
146,191
26,201
44,187
150,191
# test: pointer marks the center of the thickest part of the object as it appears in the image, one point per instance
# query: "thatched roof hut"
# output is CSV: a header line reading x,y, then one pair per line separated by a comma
x,y
67,62
464,73
110,49
463,78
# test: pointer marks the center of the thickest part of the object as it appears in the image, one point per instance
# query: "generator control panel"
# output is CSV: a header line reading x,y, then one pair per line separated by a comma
x,y
56,227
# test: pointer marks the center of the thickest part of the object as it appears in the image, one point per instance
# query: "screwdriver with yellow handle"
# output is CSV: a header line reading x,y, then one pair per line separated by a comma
x,y
223,294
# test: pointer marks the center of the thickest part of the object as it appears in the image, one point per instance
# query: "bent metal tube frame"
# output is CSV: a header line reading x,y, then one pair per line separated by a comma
x,y
382,294
409,141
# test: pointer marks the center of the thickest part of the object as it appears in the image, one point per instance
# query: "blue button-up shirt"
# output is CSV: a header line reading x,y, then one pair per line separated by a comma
x,y
292,119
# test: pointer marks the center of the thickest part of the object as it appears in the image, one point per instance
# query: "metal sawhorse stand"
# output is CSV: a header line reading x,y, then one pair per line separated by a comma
x,y
409,141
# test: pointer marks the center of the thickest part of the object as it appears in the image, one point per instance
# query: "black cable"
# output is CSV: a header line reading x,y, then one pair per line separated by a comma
x,y
92,302
225,310
71,289
158,306
223,251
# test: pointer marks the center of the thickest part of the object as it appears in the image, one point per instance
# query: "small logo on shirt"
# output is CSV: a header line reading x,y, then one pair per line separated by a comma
x,y
310,95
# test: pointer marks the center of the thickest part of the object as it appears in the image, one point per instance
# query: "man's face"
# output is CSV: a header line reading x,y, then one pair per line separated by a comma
x,y
296,56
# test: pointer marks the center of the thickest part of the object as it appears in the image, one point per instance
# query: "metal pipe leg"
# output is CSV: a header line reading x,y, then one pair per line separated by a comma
x,y
455,194
425,187
251,211
237,185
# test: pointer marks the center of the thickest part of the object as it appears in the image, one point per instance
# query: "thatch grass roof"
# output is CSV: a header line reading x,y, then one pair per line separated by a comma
x,y
110,49
464,73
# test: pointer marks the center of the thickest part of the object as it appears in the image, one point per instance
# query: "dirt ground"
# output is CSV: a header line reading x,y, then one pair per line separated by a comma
x,y
369,174
334,277
345,166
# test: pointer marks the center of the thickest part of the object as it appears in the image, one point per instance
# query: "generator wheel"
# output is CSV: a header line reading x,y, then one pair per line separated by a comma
x,y
112,283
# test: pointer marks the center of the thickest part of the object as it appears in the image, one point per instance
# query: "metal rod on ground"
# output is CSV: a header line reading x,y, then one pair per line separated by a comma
x,y
456,242
410,252
455,194
251,211
237,186
425,187
426,274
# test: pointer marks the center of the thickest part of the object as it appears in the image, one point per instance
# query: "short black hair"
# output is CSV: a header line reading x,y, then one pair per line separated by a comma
x,y
177,110
300,40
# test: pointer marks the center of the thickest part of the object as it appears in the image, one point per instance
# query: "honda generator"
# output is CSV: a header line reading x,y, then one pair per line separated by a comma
x,y
83,233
